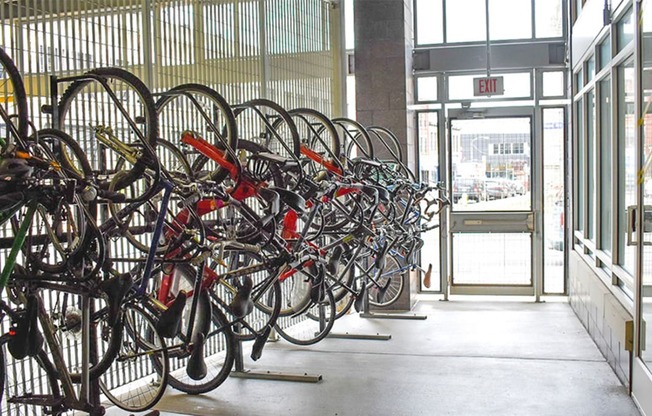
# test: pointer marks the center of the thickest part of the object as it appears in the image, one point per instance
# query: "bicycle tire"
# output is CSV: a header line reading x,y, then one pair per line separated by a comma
x,y
51,142
142,100
179,171
396,279
153,348
17,89
303,332
224,128
355,137
219,334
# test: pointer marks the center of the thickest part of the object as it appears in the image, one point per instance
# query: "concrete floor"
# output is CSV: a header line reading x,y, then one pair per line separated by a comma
x,y
467,358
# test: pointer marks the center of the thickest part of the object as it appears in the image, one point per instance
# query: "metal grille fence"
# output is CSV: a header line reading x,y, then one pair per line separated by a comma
x,y
283,50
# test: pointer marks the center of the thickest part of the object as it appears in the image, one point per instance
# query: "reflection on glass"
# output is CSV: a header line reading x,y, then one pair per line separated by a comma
x,y
462,26
626,160
553,203
429,170
549,19
430,22
427,89
510,19
590,69
490,164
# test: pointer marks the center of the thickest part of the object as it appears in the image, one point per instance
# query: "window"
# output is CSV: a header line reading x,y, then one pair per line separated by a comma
x,y
518,148
625,30
427,89
590,69
462,26
549,18
590,164
626,160
605,165
579,182
429,20
553,84
509,19
604,53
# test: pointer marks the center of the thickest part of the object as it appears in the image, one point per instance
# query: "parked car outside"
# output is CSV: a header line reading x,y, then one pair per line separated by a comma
x,y
497,188
473,188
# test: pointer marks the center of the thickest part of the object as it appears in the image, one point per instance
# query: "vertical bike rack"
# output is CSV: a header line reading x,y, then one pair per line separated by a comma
x,y
240,371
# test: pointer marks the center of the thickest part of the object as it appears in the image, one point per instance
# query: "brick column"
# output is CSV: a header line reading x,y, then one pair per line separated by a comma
x,y
384,81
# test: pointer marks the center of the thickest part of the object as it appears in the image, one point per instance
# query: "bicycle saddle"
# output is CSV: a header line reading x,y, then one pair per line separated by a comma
x,y
25,337
334,260
242,305
291,199
383,193
12,169
169,323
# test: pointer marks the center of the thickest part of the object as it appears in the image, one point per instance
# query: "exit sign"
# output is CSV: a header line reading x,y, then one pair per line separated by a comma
x,y
488,86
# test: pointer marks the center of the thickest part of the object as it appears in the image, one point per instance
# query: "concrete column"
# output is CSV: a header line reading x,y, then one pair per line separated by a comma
x,y
384,81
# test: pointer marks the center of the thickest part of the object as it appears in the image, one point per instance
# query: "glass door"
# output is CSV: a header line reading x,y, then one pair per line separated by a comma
x,y
492,218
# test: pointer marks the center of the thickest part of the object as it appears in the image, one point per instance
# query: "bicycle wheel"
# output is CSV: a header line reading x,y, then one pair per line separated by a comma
x,y
389,285
59,224
312,326
138,227
202,110
134,382
356,142
320,137
86,102
218,345
13,99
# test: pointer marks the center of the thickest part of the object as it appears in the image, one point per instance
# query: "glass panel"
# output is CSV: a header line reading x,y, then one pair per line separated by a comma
x,y
429,169
517,85
590,69
498,259
579,81
605,53
590,164
579,178
462,26
624,31
646,292
349,34
553,208
427,89
549,19
490,164
626,161
606,164
509,19
430,21
553,84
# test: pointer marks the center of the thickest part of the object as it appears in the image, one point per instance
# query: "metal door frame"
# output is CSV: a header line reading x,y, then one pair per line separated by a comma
x,y
512,221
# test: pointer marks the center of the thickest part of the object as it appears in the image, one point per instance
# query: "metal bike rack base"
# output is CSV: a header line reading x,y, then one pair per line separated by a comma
x,y
411,316
240,372
277,376
370,337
